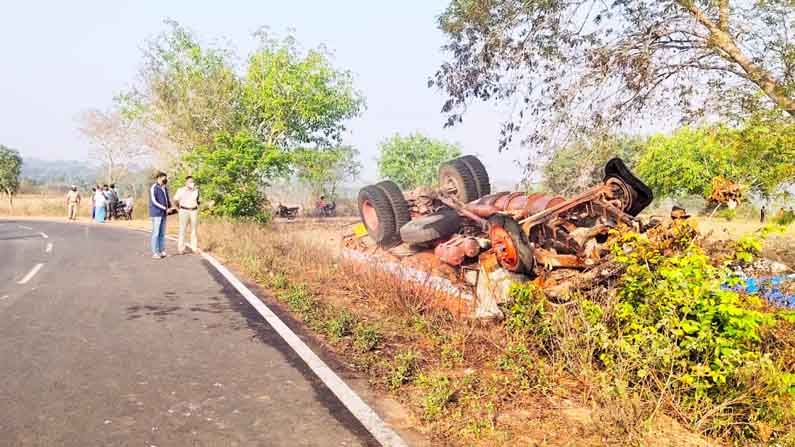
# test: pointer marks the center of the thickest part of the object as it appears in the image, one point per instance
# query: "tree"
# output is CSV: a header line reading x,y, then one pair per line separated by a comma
x,y
571,66
759,156
188,91
10,169
324,169
116,141
413,160
286,98
233,172
291,98
580,165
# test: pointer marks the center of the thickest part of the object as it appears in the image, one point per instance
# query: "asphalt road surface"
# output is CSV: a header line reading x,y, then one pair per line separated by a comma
x,y
100,345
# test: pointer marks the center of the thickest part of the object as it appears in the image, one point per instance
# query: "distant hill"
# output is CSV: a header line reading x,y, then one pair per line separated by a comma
x,y
58,172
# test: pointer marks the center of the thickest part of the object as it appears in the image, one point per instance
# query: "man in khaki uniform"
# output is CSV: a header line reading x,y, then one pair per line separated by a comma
x,y
72,202
187,199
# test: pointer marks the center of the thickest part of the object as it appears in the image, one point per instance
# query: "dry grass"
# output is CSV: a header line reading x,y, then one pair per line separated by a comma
x,y
467,383
34,205
39,205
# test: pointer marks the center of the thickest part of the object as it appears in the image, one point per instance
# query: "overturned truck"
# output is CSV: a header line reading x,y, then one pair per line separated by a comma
x,y
503,237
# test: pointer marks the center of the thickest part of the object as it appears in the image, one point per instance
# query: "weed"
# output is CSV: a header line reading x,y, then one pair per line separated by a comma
x,y
451,356
437,393
341,326
404,368
366,337
279,281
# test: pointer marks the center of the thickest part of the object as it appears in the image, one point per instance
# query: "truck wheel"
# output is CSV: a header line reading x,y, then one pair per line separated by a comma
x,y
398,201
510,244
456,178
642,196
377,215
439,225
479,173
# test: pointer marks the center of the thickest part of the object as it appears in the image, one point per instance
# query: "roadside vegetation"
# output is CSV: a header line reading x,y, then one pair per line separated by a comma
x,y
660,353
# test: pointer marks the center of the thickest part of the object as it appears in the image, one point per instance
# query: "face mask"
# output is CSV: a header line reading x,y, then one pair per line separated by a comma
x,y
165,181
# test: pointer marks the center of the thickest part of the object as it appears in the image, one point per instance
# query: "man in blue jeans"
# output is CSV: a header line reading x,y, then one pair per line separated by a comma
x,y
159,209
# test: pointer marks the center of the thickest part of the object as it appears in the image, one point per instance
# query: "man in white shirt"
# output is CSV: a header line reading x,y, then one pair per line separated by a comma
x,y
187,199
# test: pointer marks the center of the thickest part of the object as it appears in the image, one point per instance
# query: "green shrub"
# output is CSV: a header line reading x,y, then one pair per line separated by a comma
x,y
437,393
366,337
403,370
340,326
675,333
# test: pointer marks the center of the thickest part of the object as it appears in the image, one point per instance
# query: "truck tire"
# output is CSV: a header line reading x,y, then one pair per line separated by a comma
x,y
440,225
642,196
457,175
400,207
479,173
377,216
510,244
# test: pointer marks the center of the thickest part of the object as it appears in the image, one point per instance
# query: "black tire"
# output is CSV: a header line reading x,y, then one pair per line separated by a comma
x,y
439,225
458,173
398,201
523,248
642,195
480,174
385,233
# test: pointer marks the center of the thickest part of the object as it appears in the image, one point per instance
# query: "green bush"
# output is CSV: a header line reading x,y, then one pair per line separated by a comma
x,y
403,369
674,332
340,326
437,393
366,337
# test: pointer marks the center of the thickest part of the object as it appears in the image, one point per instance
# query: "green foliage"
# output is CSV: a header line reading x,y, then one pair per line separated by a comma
x,y
437,393
785,218
341,326
686,161
749,246
232,172
580,165
10,169
292,99
404,369
188,89
672,333
232,131
757,155
615,63
324,169
366,337
413,160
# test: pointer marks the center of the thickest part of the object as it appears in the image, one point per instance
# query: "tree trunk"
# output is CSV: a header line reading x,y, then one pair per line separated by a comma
x,y
724,41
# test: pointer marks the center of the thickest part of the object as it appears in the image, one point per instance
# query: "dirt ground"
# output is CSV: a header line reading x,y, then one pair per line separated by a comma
x,y
777,247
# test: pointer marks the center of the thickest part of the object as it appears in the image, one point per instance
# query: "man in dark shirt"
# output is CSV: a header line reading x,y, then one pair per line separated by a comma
x,y
159,209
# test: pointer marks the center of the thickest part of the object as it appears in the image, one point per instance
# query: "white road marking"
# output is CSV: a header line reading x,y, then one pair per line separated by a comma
x,y
49,247
44,235
24,227
374,424
31,273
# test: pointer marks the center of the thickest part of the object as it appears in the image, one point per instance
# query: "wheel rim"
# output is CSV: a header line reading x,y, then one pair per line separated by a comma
x,y
369,215
505,248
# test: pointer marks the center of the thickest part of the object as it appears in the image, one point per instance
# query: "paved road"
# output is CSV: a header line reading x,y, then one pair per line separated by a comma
x,y
104,346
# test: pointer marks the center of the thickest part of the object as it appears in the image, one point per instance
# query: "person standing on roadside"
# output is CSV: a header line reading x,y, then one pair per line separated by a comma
x,y
72,202
159,209
100,202
187,199
113,200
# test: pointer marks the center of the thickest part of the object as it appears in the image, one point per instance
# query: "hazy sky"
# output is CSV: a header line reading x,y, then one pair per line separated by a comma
x,y
62,57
